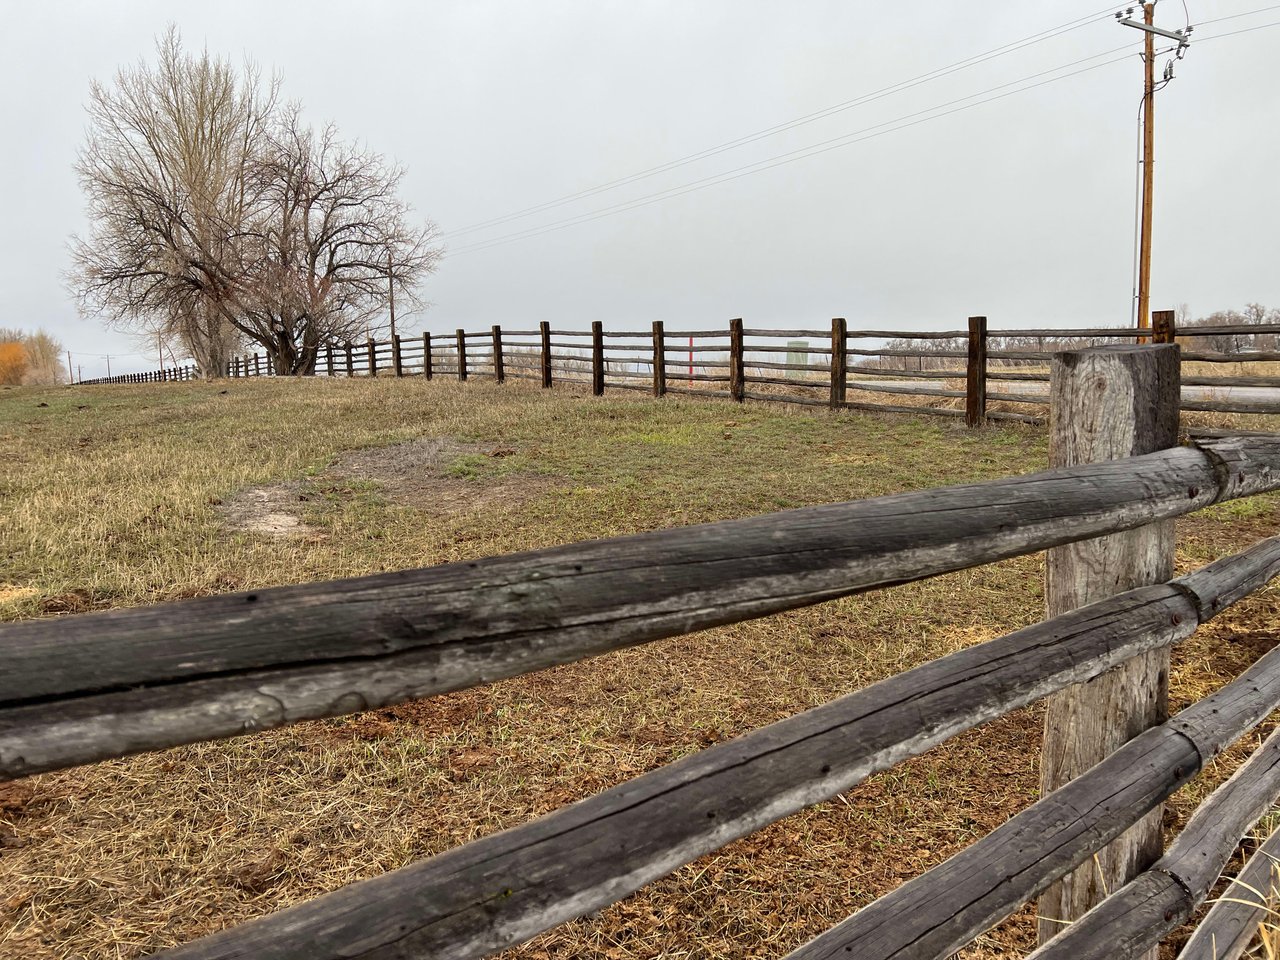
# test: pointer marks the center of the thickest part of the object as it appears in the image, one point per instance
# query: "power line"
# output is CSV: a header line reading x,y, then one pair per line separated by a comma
x,y
883,92
1235,16
823,146
856,136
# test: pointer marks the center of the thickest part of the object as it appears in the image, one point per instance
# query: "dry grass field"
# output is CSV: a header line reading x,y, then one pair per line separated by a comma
x,y
116,496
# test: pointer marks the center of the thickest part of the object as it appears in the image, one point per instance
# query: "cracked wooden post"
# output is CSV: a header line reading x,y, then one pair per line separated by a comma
x,y
1163,325
395,356
351,360
1107,403
372,349
462,354
426,355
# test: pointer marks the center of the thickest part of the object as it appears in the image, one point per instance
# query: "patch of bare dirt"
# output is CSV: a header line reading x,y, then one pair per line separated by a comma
x,y
271,510
416,474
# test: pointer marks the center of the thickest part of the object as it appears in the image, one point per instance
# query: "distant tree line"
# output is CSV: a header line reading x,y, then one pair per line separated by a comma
x,y
1254,314
30,358
220,220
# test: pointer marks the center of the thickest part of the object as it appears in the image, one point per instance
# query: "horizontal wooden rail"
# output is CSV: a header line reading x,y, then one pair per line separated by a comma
x,y
1190,381
909,389
1004,373
686,334
912,374
802,367
895,352
793,334
504,888
1243,356
940,911
1232,406
1228,328
907,334
780,398
895,408
686,391
1231,925
219,666
1138,915
1076,332
791,382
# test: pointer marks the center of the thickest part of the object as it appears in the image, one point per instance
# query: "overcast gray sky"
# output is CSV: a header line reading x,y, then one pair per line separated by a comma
x,y
1021,208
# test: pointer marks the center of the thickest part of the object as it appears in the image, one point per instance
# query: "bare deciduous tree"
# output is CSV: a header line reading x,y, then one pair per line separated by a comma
x,y
218,217
330,237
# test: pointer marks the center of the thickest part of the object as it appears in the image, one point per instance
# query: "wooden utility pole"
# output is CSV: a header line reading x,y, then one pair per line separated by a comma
x,y
1107,403
71,375
1148,165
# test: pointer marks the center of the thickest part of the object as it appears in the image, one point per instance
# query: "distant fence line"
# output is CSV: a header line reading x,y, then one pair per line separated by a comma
x,y
742,363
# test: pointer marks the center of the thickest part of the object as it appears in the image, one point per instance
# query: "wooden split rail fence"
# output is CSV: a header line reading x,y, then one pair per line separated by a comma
x,y
774,365
173,374
84,688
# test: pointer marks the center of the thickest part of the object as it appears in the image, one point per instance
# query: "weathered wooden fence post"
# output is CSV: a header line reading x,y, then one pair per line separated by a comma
x,y
257,364
1107,403
975,395
737,369
395,356
544,332
426,355
839,361
371,349
351,360
597,357
659,359
462,354
328,356
1163,326
499,372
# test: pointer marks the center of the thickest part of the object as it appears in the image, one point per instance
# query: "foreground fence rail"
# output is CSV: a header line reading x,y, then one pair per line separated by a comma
x,y
842,368
221,666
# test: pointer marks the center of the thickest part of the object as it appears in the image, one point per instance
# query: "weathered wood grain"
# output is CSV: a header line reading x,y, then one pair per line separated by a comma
x,y
504,888
1107,403
1137,916
937,913
1232,923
